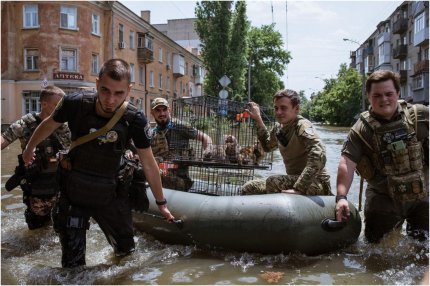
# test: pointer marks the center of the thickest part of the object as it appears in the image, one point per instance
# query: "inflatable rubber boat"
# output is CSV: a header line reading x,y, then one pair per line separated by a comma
x,y
269,224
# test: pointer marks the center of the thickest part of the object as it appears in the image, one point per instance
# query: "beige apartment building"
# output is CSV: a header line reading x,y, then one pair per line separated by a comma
x,y
65,43
400,43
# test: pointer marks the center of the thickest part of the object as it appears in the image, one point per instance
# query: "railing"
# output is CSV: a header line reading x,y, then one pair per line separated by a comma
x,y
400,26
145,55
400,51
422,66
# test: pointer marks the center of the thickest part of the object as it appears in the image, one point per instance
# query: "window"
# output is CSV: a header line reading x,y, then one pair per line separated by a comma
x,y
148,42
31,59
31,16
169,59
121,33
132,72
418,82
68,60
151,79
31,101
160,81
131,38
141,75
68,17
381,54
168,83
419,23
94,63
186,68
160,55
95,24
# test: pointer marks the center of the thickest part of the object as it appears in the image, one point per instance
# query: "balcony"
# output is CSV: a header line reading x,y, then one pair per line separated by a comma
x,y
400,51
400,26
368,51
422,37
421,67
145,55
352,54
178,65
403,76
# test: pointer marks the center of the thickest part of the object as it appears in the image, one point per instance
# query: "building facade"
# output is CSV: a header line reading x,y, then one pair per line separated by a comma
x,y
400,44
183,32
65,43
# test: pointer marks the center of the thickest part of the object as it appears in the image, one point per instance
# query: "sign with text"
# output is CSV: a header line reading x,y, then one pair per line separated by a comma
x,y
68,75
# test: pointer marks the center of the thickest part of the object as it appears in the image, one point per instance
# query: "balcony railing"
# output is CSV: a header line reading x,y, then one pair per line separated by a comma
x,y
368,51
400,26
145,55
400,51
421,67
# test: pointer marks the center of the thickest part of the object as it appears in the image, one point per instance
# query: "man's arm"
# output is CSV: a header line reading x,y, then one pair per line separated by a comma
x,y
254,112
345,174
152,174
42,131
4,142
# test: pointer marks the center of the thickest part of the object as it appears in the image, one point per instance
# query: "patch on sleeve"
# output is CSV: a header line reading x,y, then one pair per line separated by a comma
x,y
149,132
309,131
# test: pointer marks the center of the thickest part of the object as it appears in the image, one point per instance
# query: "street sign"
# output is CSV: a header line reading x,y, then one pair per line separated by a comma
x,y
44,83
223,94
224,81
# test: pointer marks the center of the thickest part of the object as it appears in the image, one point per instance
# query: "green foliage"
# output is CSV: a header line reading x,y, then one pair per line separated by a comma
x,y
340,100
304,104
268,61
223,34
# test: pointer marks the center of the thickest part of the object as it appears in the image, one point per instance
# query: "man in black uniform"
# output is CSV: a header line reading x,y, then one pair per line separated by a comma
x,y
90,187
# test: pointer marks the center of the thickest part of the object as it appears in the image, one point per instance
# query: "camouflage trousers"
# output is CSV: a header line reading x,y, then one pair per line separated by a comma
x,y
41,206
278,183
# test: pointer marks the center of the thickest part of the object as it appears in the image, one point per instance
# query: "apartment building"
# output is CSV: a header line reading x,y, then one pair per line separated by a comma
x,y
183,32
401,44
65,43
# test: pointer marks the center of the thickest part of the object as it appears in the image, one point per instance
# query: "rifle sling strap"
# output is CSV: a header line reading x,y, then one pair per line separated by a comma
x,y
86,138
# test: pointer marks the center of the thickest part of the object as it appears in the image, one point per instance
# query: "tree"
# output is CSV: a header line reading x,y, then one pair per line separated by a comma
x,y
238,46
224,45
268,60
340,99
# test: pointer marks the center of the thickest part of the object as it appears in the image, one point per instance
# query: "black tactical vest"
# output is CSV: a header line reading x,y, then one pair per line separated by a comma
x,y
102,156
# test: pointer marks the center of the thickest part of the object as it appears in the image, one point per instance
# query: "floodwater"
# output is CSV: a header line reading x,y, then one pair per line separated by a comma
x,y
33,257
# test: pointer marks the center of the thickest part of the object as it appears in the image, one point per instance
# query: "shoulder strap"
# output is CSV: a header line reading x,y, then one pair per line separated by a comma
x,y
86,138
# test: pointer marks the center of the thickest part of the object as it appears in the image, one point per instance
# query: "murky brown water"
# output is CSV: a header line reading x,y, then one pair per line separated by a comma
x,y
33,257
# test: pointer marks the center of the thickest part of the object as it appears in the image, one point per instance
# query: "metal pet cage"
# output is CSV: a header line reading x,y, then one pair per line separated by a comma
x,y
234,154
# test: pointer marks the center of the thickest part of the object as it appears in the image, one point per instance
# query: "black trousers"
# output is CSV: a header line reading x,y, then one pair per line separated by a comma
x,y
71,223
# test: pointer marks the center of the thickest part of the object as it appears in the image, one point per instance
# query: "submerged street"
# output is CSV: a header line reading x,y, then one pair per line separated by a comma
x,y
33,257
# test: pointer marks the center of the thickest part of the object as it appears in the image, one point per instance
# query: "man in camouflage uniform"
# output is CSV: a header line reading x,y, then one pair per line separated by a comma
x,y
300,146
38,182
171,141
389,147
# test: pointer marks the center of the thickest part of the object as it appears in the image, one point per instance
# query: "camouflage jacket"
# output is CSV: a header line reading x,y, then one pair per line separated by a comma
x,y
23,128
301,148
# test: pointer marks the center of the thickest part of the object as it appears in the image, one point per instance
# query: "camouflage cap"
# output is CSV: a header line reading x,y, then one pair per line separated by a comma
x,y
159,101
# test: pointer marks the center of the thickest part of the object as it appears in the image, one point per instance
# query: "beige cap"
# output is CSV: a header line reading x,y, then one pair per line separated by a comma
x,y
159,101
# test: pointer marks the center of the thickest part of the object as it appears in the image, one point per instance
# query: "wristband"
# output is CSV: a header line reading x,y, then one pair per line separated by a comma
x,y
340,197
163,202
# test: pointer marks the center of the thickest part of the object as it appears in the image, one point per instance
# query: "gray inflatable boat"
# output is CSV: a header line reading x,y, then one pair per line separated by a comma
x,y
269,224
